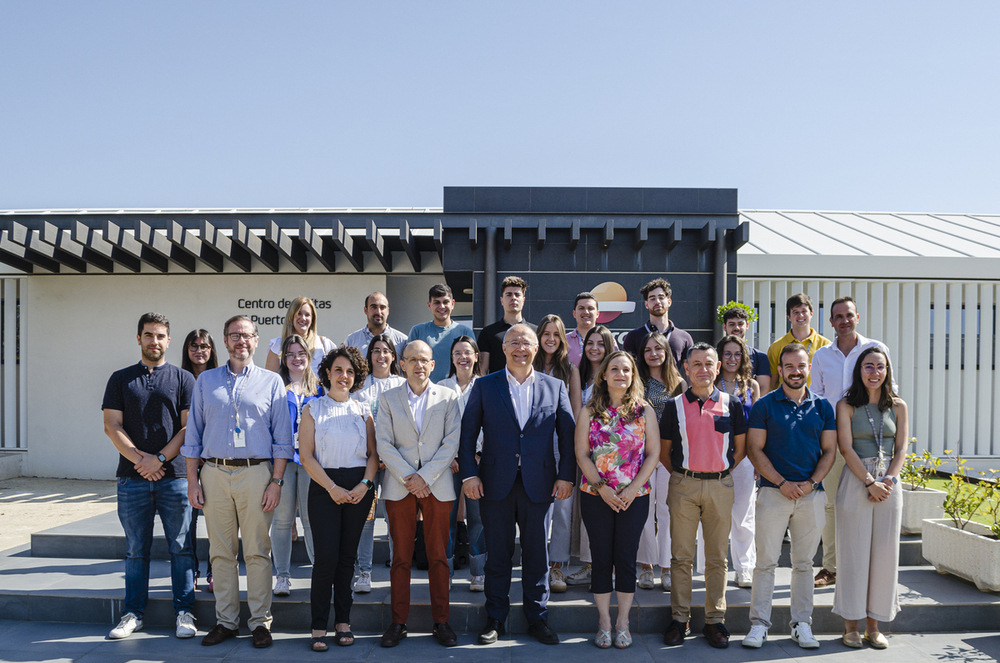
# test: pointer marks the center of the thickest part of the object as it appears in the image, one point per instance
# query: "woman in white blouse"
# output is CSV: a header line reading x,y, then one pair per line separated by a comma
x,y
337,449
301,320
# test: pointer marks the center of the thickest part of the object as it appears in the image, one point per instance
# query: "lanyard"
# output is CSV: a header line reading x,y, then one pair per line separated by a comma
x,y
880,467
231,391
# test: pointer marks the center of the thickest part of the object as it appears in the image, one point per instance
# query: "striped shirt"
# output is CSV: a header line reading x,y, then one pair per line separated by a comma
x,y
702,432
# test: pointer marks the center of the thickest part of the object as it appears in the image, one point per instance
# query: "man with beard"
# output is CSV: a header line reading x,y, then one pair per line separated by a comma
x,y
145,414
656,298
377,312
792,441
240,426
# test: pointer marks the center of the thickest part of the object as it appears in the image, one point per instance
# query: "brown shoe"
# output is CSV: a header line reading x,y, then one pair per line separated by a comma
x,y
675,633
219,633
444,634
393,635
717,635
824,578
261,637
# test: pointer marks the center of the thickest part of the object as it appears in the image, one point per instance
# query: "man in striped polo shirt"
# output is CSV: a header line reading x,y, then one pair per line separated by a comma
x,y
703,433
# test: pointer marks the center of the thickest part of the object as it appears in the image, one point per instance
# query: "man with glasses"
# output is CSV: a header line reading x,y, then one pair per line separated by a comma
x,y
832,373
240,426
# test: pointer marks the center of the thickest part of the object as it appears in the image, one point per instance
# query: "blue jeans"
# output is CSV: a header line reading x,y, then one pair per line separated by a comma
x,y
477,537
138,501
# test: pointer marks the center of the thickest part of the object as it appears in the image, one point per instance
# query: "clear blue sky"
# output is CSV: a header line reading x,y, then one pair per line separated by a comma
x,y
871,105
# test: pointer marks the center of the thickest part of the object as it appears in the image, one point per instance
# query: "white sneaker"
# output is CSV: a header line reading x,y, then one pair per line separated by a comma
x,y
478,584
185,625
363,583
581,577
282,586
665,579
557,581
646,579
756,637
744,578
129,624
802,633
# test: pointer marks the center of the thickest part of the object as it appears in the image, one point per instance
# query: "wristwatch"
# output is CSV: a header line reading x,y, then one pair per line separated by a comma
x,y
161,458
895,480
815,485
368,482
280,482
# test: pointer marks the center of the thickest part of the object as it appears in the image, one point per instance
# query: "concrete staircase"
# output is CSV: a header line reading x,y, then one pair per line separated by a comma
x,y
74,573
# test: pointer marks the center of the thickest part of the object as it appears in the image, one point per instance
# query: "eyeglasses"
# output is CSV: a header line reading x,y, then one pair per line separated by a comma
x,y
463,355
873,368
235,338
517,345
381,351
199,346
297,355
732,355
418,361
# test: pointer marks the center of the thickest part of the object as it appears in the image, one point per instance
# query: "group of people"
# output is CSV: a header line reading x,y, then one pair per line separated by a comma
x,y
665,453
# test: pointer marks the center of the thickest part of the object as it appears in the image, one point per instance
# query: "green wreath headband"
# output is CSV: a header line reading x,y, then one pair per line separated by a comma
x,y
721,311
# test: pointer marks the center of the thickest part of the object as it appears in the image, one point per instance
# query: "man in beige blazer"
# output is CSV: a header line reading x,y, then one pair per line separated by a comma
x,y
417,435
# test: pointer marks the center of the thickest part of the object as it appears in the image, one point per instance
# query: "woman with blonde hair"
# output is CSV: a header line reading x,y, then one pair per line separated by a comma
x,y
617,448
301,320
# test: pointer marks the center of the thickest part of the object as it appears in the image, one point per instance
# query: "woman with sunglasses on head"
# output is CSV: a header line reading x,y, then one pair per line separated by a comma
x,y
302,387
553,359
301,320
465,370
384,375
872,433
662,381
199,356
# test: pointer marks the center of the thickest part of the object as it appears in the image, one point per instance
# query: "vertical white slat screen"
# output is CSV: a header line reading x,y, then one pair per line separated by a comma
x,y
12,379
943,340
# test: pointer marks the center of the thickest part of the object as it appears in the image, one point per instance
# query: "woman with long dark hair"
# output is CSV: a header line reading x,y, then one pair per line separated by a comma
x,y
872,433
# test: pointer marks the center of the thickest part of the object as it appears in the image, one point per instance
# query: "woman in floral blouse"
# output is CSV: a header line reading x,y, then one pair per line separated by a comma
x,y
617,448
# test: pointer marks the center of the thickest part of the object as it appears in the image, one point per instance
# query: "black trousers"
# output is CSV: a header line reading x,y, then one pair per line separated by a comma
x,y
336,531
614,541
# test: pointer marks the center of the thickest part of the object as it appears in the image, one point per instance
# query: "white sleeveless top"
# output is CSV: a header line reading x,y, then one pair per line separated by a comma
x,y
341,433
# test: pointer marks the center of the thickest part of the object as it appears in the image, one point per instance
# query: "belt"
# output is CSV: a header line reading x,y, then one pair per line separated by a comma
x,y
238,462
705,475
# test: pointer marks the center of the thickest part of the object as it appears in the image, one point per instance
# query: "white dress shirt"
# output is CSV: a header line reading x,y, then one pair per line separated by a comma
x,y
418,405
832,372
520,393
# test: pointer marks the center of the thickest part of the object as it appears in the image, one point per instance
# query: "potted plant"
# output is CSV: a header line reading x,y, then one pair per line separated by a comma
x,y
959,545
919,501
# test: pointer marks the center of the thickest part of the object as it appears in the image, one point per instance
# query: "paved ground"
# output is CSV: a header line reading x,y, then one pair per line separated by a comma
x,y
30,505
53,642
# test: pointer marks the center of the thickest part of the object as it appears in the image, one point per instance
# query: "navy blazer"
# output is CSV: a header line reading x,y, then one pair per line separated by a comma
x,y
491,410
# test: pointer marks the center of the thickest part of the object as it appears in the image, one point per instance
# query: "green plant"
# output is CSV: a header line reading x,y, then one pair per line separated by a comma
x,y
991,508
963,498
721,311
919,469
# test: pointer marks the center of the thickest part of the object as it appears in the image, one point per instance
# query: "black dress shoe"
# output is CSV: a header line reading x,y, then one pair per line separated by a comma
x,y
542,632
493,630
717,635
393,635
444,634
675,634
219,633
261,637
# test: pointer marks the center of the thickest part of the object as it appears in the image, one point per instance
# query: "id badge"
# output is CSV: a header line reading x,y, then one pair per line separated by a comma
x,y
239,438
880,469
295,440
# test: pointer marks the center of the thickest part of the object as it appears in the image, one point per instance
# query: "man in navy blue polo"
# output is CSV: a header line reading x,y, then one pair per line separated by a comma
x,y
145,414
792,442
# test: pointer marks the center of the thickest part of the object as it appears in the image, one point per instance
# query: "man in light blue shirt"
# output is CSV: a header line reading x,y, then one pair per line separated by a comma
x,y
440,332
240,426
377,313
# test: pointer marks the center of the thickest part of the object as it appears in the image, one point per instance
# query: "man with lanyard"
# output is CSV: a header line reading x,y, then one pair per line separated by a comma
x,y
585,312
513,290
799,309
702,435
832,373
240,426
656,298
145,413
792,441
377,312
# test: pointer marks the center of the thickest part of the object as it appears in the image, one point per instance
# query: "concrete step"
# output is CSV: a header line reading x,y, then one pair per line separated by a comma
x,y
92,590
10,465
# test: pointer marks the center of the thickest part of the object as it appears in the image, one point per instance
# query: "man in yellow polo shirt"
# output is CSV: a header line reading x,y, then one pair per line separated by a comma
x,y
799,309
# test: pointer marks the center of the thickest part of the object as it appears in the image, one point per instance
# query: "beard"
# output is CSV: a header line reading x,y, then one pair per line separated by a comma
x,y
152,354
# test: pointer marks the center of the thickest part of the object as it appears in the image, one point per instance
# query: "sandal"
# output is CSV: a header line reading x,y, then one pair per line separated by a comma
x,y
318,644
623,640
345,638
603,639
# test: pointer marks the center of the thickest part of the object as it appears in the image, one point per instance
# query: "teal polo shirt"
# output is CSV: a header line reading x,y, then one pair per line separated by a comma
x,y
793,432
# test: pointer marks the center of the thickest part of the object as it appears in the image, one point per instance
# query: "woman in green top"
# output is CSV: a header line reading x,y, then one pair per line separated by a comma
x,y
872,432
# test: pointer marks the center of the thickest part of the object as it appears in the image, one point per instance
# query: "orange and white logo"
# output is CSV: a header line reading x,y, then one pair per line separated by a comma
x,y
612,301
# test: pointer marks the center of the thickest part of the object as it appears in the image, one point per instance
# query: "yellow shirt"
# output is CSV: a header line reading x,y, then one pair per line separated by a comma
x,y
813,342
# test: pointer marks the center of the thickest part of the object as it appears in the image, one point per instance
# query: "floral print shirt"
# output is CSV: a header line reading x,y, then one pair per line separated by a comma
x,y
618,451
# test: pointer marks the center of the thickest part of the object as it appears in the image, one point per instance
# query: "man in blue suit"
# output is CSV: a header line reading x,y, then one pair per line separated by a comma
x,y
519,411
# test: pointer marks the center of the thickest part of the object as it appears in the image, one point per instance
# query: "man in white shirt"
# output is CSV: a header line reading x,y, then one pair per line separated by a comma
x,y
832,373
